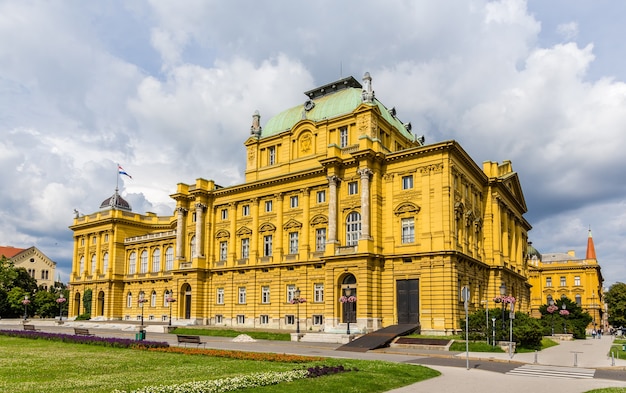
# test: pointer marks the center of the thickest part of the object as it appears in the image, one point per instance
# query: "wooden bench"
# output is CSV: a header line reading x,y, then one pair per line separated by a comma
x,y
185,339
31,328
82,332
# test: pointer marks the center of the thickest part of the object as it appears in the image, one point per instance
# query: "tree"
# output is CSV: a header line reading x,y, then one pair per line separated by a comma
x,y
615,299
7,273
572,318
87,301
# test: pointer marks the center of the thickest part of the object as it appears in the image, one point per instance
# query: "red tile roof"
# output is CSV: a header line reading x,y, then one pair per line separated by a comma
x,y
9,251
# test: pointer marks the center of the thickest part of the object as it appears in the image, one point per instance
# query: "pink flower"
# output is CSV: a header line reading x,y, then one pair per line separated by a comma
x,y
170,300
551,309
297,300
25,301
504,299
564,312
347,299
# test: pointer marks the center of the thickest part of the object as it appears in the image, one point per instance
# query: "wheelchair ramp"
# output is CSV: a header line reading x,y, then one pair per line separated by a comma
x,y
379,338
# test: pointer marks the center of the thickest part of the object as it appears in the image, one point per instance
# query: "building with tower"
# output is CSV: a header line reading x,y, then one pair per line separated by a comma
x,y
339,198
554,275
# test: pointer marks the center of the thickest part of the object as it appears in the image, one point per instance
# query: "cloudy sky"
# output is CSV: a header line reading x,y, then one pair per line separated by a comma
x,y
167,89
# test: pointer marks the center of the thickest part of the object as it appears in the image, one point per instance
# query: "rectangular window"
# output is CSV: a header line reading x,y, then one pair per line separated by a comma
x,y
293,201
267,245
548,281
245,210
245,248
106,237
265,294
271,155
320,239
264,319
220,296
242,295
293,242
291,292
318,319
268,206
143,262
219,318
224,214
241,319
318,293
156,260
321,196
169,258
343,137
223,251
563,282
407,182
577,280
408,230
290,320
353,188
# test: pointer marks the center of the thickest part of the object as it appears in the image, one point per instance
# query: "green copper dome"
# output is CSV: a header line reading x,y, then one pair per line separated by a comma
x,y
327,102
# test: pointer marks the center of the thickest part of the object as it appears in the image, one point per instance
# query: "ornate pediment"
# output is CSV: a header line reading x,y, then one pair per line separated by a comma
x,y
221,234
319,220
244,231
292,224
267,227
406,208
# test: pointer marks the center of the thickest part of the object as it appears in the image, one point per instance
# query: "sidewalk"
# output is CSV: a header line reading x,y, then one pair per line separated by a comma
x,y
590,353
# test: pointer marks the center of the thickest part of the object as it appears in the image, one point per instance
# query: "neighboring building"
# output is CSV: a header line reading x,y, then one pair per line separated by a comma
x,y
36,263
339,196
554,275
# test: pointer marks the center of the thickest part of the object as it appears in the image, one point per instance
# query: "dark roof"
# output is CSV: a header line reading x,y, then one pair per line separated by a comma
x,y
115,201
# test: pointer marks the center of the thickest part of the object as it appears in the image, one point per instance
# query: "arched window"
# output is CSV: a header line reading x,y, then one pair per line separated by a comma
x,y
129,300
153,299
169,258
156,260
144,262
353,229
192,246
81,266
132,263
93,263
105,262
166,296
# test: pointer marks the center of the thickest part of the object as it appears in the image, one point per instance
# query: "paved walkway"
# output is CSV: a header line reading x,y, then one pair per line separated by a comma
x,y
590,353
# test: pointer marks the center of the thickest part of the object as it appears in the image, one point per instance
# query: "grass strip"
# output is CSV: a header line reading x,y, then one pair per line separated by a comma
x,y
55,367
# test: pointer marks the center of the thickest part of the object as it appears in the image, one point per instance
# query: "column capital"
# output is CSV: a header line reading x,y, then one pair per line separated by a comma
x,y
365,172
200,206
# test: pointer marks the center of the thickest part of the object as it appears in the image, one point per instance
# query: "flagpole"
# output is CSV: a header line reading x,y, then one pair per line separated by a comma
x,y
117,178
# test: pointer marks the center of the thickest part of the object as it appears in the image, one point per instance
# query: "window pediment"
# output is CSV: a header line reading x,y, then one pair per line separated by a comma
x,y
406,208
292,224
222,234
244,231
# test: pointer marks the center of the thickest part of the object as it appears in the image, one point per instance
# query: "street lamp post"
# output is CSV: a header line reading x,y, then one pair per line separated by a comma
x,y
25,303
564,313
551,311
493,337
170,300
297,299
349,312
511,318
487,318
141,301
61,300
502,294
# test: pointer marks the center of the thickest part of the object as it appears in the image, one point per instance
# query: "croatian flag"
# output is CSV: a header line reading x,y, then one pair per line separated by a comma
x,y
122,171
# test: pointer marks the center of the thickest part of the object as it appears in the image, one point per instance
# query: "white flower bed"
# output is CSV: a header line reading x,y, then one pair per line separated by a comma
x,y
225,384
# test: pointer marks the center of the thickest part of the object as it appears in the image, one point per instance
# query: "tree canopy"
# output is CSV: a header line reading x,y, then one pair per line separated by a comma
x,y
615,299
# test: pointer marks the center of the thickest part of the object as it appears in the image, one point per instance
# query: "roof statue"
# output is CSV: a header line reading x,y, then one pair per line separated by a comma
x,y
256,128
368,94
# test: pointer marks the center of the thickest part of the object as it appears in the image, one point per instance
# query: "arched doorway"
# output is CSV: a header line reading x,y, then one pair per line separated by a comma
x,y
100,304
76,311
348,299
186,298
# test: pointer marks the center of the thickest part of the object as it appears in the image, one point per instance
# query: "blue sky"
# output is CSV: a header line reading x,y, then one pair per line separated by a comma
x,y
168,89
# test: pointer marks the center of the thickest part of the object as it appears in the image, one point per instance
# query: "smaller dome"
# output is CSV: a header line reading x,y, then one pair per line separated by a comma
x,y
115,202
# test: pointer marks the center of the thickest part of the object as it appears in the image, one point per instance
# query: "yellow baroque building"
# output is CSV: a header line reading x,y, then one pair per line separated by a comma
x,y
340,197
554,275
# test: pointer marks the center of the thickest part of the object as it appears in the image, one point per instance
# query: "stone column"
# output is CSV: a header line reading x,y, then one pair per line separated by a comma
x,y
365,202
200,207
180,231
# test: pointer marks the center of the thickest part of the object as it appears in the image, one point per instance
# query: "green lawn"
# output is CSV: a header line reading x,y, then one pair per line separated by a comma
x,y
257,335
46,366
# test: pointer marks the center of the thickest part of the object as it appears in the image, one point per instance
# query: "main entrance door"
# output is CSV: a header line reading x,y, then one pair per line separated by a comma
x,y
408,301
